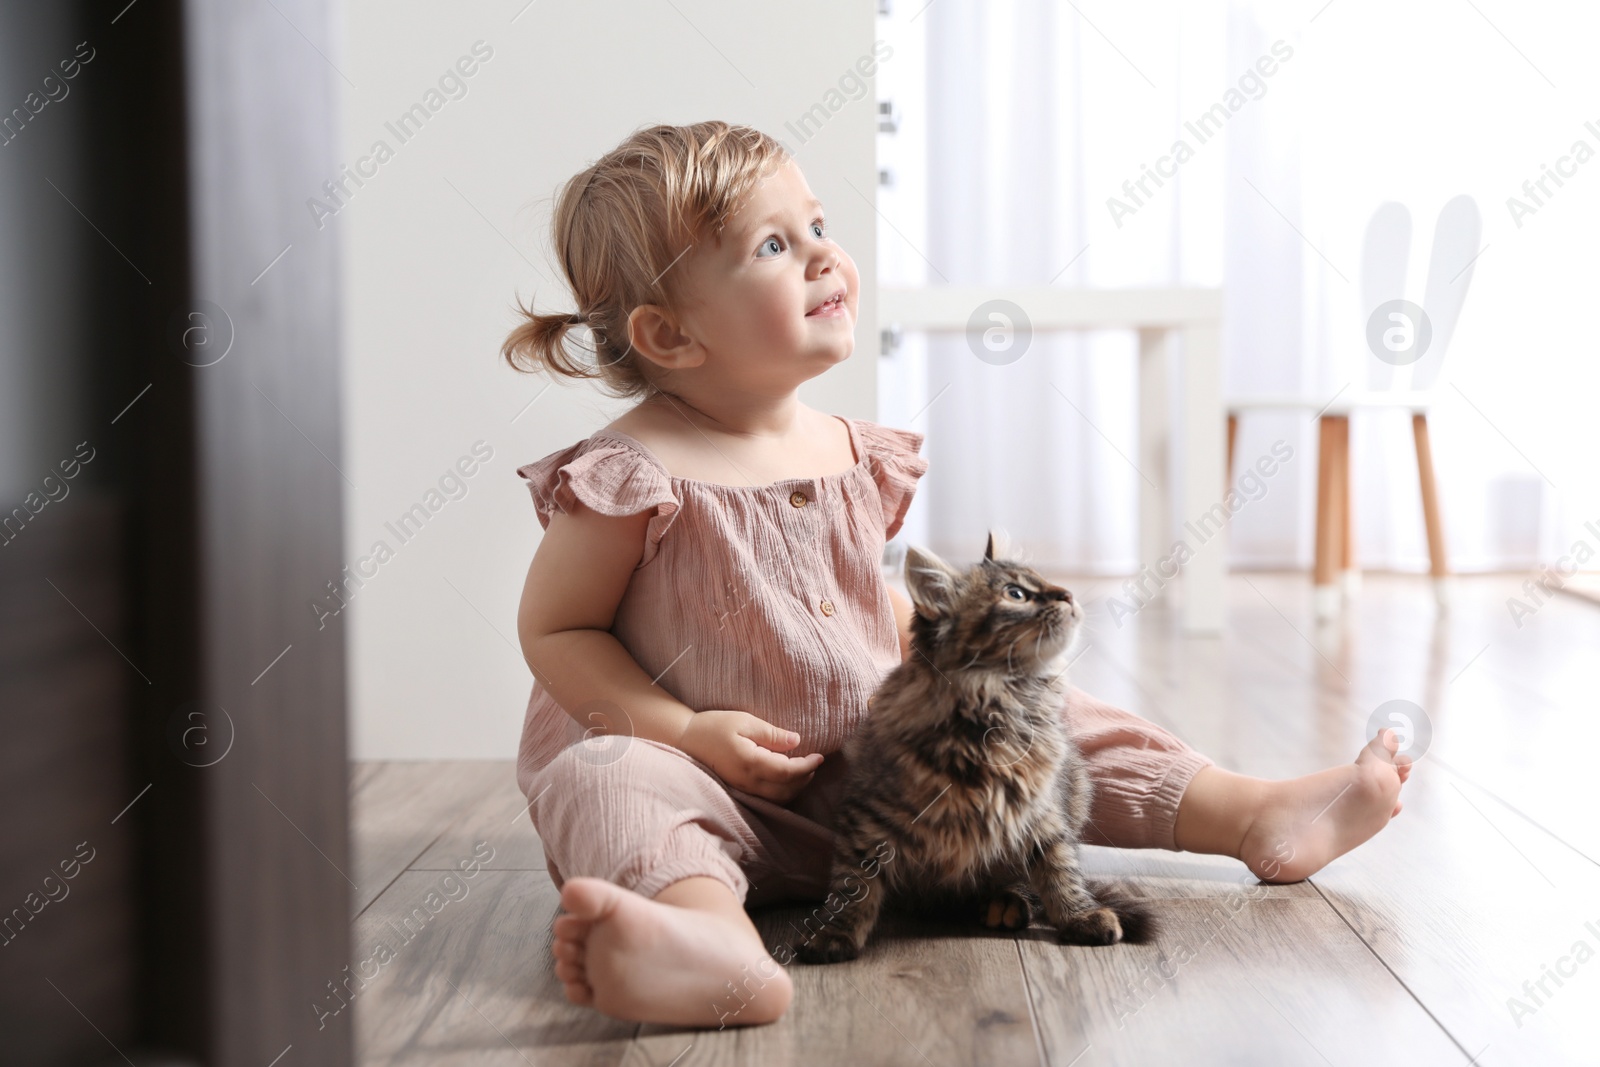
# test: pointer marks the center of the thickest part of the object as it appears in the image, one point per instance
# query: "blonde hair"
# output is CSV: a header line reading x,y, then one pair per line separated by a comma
x,y
619,227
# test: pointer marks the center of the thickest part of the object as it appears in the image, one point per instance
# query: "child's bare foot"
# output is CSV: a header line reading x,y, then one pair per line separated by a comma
x,y
690,957
1302,824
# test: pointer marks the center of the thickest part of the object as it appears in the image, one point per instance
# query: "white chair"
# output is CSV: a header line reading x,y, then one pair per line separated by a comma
x,y
1402,372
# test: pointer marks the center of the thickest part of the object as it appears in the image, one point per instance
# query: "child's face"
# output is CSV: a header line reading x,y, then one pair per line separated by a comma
x,y
772,304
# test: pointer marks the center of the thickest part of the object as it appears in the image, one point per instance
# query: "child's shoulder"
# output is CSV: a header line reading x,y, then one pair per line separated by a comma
x,y
609,476
664,436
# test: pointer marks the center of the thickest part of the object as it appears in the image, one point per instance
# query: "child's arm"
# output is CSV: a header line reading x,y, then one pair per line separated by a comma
x,y
569,601
903,611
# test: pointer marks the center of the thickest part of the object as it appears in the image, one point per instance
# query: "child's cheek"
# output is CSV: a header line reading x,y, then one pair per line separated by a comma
x,y
777,311
745,314
852,279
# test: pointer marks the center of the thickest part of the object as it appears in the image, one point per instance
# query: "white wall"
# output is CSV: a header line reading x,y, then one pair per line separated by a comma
x,y
454,225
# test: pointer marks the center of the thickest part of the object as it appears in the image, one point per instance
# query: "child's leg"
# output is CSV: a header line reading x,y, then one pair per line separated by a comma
x,y
1140,773
1153,791
646,847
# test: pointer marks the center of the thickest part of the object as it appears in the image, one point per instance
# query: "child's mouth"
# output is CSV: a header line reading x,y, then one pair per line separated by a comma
x,y
832,306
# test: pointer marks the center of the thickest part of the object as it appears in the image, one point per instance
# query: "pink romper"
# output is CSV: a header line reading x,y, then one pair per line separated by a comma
x,y
768,599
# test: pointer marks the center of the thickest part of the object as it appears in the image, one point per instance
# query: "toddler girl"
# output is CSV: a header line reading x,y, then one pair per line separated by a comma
x,y
707,615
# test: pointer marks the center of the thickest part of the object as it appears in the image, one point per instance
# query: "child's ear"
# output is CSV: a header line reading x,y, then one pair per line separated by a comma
x,y
654,333
931,582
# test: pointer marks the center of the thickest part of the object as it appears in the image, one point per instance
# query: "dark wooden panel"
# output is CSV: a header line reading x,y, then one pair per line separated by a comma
x,y
67,944
261,110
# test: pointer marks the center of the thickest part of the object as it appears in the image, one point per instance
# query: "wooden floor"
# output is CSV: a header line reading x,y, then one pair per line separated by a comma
x,y
1407,951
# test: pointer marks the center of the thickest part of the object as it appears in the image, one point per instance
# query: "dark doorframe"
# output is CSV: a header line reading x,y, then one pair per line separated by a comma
x,y
171,701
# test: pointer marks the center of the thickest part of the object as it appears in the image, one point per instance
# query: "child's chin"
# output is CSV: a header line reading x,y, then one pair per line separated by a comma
x,y
833,355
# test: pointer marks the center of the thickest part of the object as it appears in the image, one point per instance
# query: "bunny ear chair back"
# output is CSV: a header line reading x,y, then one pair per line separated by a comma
x,y
1455,253
1385,255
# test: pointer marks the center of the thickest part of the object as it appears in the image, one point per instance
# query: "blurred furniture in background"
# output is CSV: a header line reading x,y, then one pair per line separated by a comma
x,y
1408,345
1157,314
174,779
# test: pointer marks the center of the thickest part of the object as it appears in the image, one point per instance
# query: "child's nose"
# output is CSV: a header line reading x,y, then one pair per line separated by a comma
x,y
826,261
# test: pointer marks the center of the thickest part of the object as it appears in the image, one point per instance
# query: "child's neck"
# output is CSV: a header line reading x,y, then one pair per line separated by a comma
x,y
741,414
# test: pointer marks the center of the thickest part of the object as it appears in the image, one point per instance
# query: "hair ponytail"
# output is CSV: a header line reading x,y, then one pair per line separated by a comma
x,y
539,343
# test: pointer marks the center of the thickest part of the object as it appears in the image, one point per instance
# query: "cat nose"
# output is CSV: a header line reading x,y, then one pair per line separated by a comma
x,y
1060,594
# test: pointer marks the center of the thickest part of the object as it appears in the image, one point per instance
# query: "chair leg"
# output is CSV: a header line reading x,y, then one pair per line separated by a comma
x,y
1233,432
1325,596
1439,562
1349,574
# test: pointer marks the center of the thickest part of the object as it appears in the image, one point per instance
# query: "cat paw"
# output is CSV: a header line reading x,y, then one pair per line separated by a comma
x,y
1006,910
829,946
1098,927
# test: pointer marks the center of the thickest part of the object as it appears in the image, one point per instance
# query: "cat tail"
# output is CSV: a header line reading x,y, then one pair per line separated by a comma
x,y
1138,920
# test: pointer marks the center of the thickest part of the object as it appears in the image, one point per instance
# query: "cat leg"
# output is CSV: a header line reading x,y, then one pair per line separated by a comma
x,y
1069,905
839,928
1010,907
1005,905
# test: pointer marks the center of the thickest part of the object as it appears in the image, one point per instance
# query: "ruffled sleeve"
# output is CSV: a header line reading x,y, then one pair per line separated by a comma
x,y
896,466
607,477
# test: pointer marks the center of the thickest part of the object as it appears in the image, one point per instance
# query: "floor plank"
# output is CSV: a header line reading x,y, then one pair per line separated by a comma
x,y
1466,902
919,994
471,982
1450,896
501,819
1240,973
1521,716
398,809
1408,949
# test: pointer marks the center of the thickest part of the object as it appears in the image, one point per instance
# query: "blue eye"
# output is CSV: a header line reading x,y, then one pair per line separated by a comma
x,y
819,229
770,247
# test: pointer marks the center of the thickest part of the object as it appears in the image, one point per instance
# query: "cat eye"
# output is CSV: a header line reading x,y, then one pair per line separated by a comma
x,y
1016,592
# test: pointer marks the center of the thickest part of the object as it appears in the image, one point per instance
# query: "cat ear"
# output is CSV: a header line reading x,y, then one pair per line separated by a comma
x,y
931,582
999,545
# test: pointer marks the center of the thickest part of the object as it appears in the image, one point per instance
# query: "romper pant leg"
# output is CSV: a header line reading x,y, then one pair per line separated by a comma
x,y
642,815
1139,772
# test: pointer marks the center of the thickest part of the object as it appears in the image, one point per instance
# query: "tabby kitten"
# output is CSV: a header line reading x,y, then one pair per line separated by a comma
x,y
965,797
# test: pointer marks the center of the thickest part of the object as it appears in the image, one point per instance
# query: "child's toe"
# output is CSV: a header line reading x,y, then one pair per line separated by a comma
x,y
1381,748
572,928
589,899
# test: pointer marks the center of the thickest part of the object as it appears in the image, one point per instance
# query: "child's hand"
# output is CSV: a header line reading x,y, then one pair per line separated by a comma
x,y
746,752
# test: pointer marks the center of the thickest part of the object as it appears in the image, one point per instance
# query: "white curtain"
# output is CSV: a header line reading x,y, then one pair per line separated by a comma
x,y
1021,120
